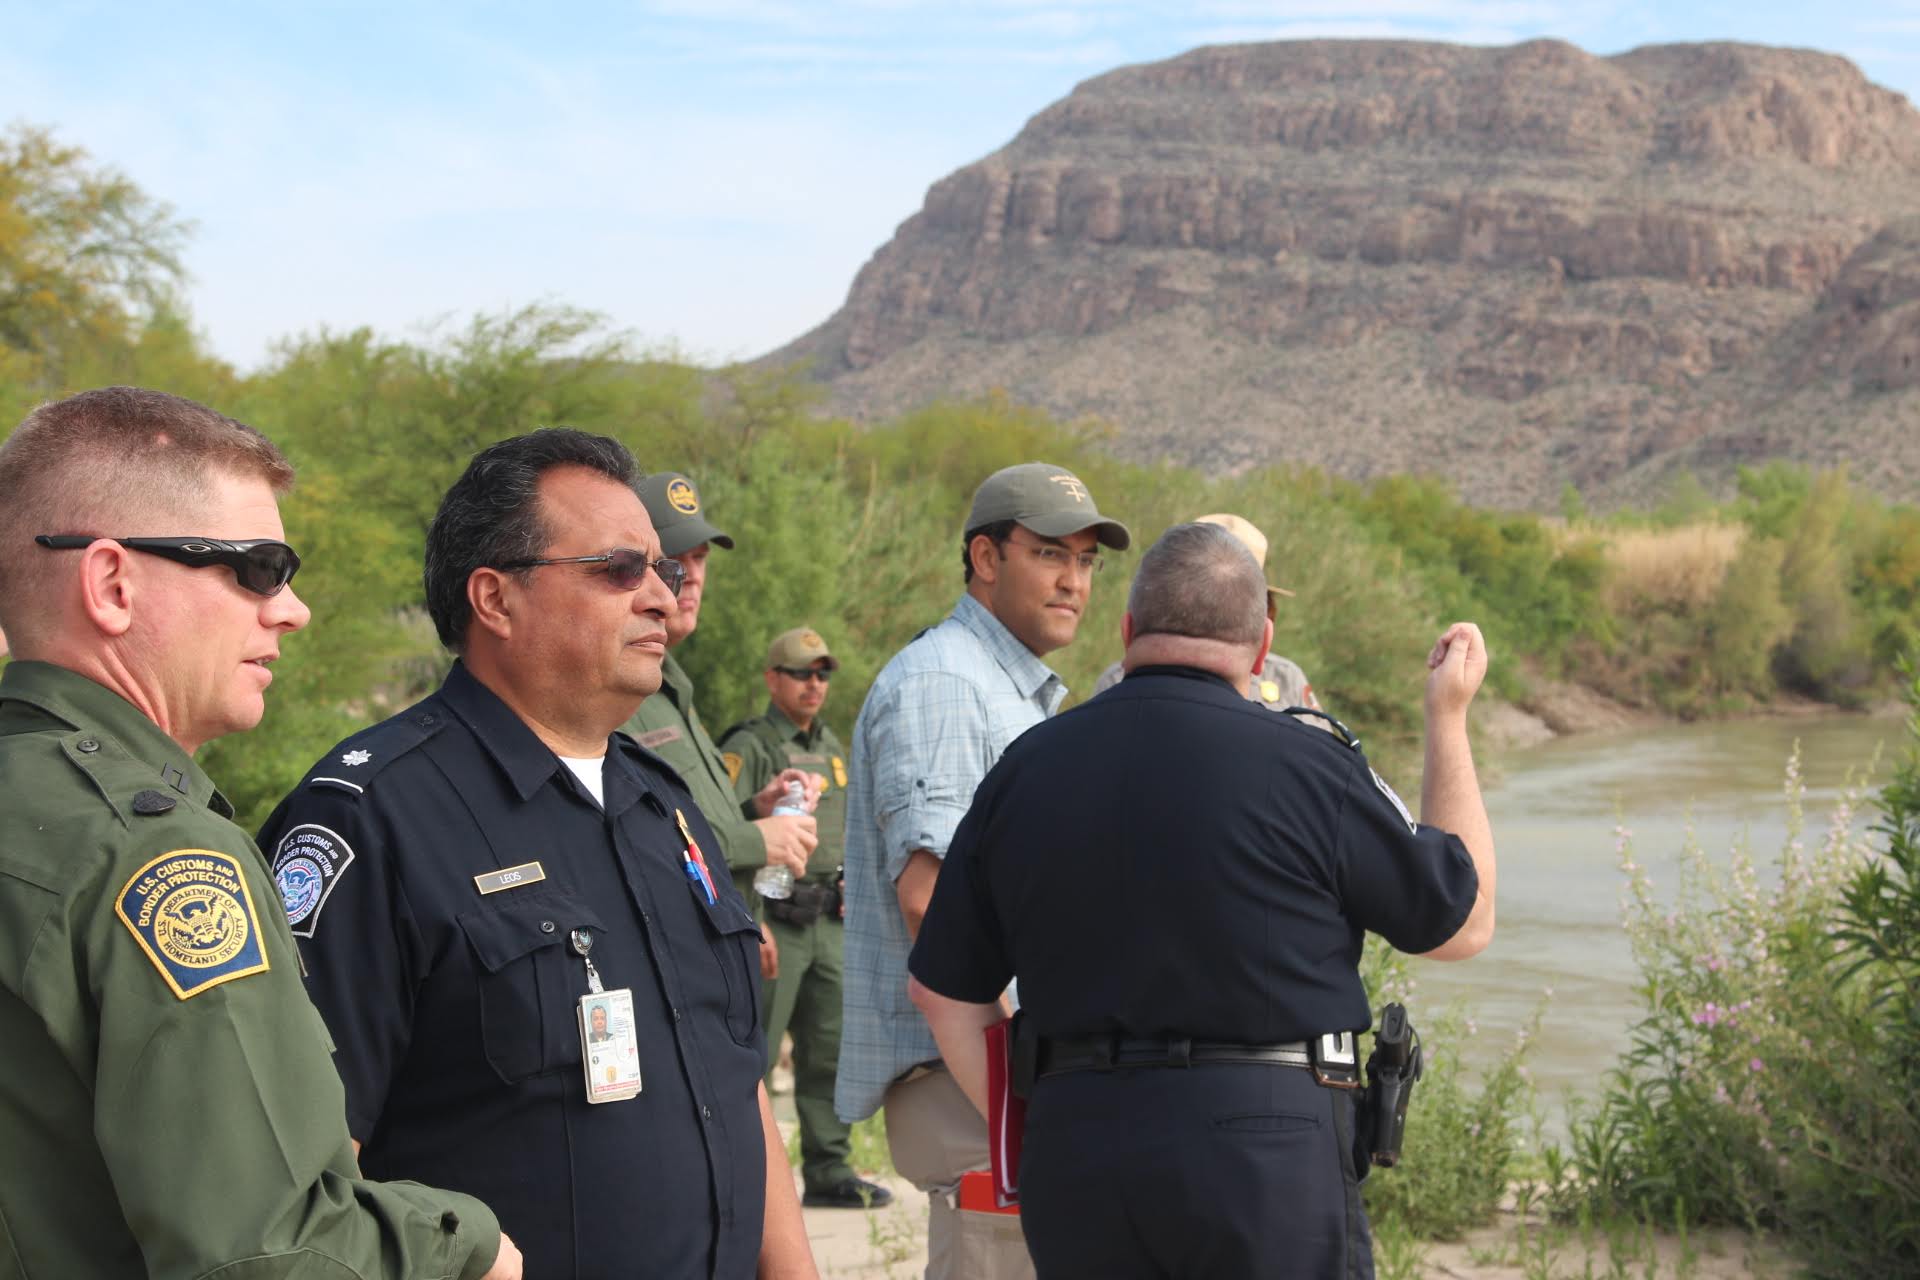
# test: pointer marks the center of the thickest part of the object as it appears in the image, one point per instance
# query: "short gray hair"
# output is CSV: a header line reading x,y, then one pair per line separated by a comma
x,y
1199,580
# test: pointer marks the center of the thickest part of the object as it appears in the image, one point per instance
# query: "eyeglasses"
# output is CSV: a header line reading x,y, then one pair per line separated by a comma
x,y
262,565
1058,558
626,568
822,674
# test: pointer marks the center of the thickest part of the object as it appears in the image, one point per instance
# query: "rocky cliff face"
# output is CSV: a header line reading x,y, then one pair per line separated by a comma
x,y
1515,267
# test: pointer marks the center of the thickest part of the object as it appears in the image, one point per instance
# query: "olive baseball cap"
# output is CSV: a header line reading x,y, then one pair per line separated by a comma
x,y
673,504
1251,537
1047,499
800,647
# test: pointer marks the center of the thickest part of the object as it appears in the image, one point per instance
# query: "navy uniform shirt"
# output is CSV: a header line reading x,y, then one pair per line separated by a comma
x,y
1171,860
455,1010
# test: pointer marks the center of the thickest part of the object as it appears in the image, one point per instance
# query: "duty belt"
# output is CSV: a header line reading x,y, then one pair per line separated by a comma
x,y
1330,1057
808,903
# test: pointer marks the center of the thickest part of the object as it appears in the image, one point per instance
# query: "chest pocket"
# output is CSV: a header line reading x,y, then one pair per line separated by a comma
x,y
735,939
528,982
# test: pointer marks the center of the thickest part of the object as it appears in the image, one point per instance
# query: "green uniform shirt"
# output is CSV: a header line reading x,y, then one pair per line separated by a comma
x,y
668,726
168,1105
757,749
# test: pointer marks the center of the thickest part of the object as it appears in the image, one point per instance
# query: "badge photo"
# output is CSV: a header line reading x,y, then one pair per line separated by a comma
x,y
609,1046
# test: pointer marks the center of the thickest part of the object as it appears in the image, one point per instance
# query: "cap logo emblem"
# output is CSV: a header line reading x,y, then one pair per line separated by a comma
x,y
811,639
1072,486
682,498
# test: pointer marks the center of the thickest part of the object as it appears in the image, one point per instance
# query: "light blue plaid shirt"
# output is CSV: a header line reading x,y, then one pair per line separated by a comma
x,y
937,718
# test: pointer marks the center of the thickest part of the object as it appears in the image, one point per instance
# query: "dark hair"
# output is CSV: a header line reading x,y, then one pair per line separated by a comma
x,y
1199,580
999,531
491,516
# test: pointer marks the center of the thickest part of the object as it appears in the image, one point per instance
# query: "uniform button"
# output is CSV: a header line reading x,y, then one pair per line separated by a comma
x,y
706,1112
546,926
645,918
676,1013
87,745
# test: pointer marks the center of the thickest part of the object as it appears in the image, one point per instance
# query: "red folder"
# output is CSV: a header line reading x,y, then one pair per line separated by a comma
x,y
1006,1119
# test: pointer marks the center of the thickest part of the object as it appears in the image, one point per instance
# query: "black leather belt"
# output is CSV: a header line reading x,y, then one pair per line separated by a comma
x,y
1104,1053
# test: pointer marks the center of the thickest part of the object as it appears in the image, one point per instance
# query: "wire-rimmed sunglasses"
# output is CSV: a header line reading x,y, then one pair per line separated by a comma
x,y
262,565
626,568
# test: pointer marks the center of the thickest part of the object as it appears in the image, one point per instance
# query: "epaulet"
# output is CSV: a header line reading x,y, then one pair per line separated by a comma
x,y
1340,731
353,764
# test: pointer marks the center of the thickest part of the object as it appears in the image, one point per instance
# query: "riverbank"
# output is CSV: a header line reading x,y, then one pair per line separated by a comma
x,y
1562,708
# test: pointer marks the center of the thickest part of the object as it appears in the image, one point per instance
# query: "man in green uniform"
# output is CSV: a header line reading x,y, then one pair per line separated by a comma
x,y
668,725
168,1106
806,927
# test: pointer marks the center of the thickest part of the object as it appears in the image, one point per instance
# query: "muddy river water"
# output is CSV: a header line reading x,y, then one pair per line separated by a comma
x,y
1555,809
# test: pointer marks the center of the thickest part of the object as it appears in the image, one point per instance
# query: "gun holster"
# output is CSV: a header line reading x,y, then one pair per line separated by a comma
x,y
1392,1070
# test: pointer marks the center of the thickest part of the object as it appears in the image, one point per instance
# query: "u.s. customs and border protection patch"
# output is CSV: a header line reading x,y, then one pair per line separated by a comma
x,y
1393,797
307,863
190,911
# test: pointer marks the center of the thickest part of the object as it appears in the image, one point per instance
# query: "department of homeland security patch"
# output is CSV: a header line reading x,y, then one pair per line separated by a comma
x,y
191,913
307,863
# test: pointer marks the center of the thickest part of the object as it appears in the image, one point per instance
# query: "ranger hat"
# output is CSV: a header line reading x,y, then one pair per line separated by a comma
x,y
800,647
674,506
1254,540
1047,499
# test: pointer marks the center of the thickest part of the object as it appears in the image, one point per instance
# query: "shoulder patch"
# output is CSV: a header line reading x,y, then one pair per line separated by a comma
x,y
307,863
732,760
1394,800
191,913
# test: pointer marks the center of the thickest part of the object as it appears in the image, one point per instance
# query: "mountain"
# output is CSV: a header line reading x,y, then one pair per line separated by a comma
x,y
1515,267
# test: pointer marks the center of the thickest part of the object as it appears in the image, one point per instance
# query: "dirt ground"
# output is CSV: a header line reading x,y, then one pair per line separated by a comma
x,y
890,1244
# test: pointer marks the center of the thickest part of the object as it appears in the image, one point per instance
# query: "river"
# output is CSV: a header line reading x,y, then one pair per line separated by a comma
x,y
1555,808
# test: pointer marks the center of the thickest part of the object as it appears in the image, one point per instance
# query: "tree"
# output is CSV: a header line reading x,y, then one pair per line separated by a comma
x,y
86,257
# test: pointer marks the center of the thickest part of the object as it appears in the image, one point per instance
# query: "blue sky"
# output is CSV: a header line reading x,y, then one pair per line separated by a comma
x,y
710,175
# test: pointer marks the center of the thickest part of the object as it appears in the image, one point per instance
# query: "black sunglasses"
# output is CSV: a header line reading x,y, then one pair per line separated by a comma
x,y
822,674
262,565
626,568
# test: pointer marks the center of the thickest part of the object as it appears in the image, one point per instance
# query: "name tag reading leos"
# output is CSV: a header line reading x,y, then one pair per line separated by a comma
x,y
510,877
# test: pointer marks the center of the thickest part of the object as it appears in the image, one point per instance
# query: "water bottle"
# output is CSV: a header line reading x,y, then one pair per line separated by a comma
x,y
773,881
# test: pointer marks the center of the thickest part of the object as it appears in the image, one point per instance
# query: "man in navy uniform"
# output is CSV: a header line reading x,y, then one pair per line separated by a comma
x,y
464,874
1184,924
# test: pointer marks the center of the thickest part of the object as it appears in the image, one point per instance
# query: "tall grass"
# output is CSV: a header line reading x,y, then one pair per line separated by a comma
x,y
1675,568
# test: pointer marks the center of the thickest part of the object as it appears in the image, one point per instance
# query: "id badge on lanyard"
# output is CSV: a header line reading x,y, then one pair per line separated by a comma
x,y
609,1041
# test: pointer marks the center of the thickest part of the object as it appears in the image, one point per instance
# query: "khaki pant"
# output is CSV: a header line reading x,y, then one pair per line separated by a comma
x,y
935,1135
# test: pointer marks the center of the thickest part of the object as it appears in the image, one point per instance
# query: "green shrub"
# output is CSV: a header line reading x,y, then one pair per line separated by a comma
x,y
1772,1081
1464,1128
